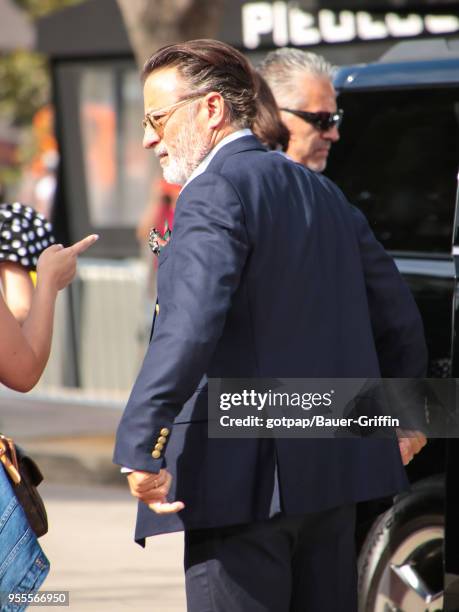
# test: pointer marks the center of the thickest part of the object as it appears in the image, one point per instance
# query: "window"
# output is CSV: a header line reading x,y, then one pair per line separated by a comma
x,y
118,172
397,160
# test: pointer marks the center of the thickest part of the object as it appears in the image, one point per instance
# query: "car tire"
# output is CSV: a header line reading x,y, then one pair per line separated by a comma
x,y
401,561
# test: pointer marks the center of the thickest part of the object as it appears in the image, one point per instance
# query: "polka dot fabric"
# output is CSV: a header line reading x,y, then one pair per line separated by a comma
x,y
24,234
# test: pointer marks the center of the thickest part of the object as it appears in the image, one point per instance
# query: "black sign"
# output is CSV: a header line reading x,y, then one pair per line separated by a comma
x,y
253,25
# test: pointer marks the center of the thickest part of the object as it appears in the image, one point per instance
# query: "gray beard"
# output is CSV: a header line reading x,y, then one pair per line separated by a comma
x,y
192,148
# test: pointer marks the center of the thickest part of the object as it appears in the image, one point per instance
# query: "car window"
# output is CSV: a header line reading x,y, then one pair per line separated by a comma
x,y
397,160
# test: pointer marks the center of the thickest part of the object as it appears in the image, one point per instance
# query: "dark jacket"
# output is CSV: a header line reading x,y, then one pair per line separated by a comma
x,y
263,277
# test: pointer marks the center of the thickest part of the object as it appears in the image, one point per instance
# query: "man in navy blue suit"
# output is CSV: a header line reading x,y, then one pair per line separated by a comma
x,y
269,523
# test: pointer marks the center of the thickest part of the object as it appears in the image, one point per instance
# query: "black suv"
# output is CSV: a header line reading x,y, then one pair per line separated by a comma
x,y
397,160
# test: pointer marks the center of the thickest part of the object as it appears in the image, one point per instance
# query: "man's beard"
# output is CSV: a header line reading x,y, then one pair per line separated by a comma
x,y
190,148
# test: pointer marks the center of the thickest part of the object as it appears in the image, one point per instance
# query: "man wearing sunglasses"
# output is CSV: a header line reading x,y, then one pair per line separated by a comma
x,y
303,88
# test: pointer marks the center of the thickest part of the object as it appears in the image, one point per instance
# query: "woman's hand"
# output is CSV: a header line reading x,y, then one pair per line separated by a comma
x,y
56,266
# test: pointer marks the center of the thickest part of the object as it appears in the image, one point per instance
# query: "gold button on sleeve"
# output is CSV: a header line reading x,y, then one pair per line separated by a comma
x,y
157,309
162,440
164,431
156,454
159,447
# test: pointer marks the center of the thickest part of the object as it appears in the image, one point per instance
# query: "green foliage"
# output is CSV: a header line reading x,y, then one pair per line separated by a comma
x,y
25,83
25,86
24,75
38,8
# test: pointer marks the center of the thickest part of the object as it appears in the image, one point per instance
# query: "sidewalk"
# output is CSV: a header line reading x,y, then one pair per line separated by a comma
x,y
69,436
93,555
90,540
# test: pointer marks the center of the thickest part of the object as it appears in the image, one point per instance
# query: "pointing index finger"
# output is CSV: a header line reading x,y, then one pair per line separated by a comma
x,y
82,245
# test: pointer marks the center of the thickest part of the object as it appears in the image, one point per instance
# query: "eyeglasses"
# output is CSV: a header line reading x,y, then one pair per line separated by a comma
x,y
153,118
322,121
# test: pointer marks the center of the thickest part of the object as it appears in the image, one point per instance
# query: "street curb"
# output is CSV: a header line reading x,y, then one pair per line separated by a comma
x,y
70,469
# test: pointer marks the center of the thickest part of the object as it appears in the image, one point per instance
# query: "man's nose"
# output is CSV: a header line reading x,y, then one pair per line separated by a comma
x,y
150,138
332,134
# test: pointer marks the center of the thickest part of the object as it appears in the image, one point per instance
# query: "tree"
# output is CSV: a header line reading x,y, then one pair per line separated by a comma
x,y
24,74
38,8
25,85
154,23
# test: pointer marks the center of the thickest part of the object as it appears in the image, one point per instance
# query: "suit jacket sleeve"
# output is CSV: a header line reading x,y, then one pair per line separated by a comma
x,y
397,325
206,256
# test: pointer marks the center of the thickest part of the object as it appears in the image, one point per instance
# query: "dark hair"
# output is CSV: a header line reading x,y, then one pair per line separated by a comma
x,y
268,125
210,65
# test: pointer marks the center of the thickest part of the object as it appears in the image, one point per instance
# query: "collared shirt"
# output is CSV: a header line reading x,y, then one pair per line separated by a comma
x,y
209,157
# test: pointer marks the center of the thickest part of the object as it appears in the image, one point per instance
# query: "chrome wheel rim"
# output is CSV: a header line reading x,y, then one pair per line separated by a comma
x,y
409,582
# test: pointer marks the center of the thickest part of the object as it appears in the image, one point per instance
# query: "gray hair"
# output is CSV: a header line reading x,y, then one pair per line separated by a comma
x,y
282,67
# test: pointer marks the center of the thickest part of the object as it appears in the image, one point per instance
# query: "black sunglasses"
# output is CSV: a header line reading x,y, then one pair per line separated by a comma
x,y
322,121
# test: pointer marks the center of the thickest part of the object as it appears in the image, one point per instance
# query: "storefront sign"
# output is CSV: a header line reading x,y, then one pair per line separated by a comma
x,y
285,23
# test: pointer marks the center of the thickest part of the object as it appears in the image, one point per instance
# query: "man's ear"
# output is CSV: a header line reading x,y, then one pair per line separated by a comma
x,y
216,110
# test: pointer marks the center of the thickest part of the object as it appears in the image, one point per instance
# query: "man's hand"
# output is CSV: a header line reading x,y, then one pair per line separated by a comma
x,y
410,443
152,489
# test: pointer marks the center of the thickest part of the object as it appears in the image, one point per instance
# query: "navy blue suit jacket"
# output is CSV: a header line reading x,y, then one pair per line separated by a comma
x,y
269,273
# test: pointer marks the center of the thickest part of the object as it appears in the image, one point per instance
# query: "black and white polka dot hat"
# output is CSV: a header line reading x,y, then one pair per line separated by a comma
x,y
24,234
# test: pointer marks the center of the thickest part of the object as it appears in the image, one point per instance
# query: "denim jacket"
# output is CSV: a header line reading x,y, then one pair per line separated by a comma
x,y
23,565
